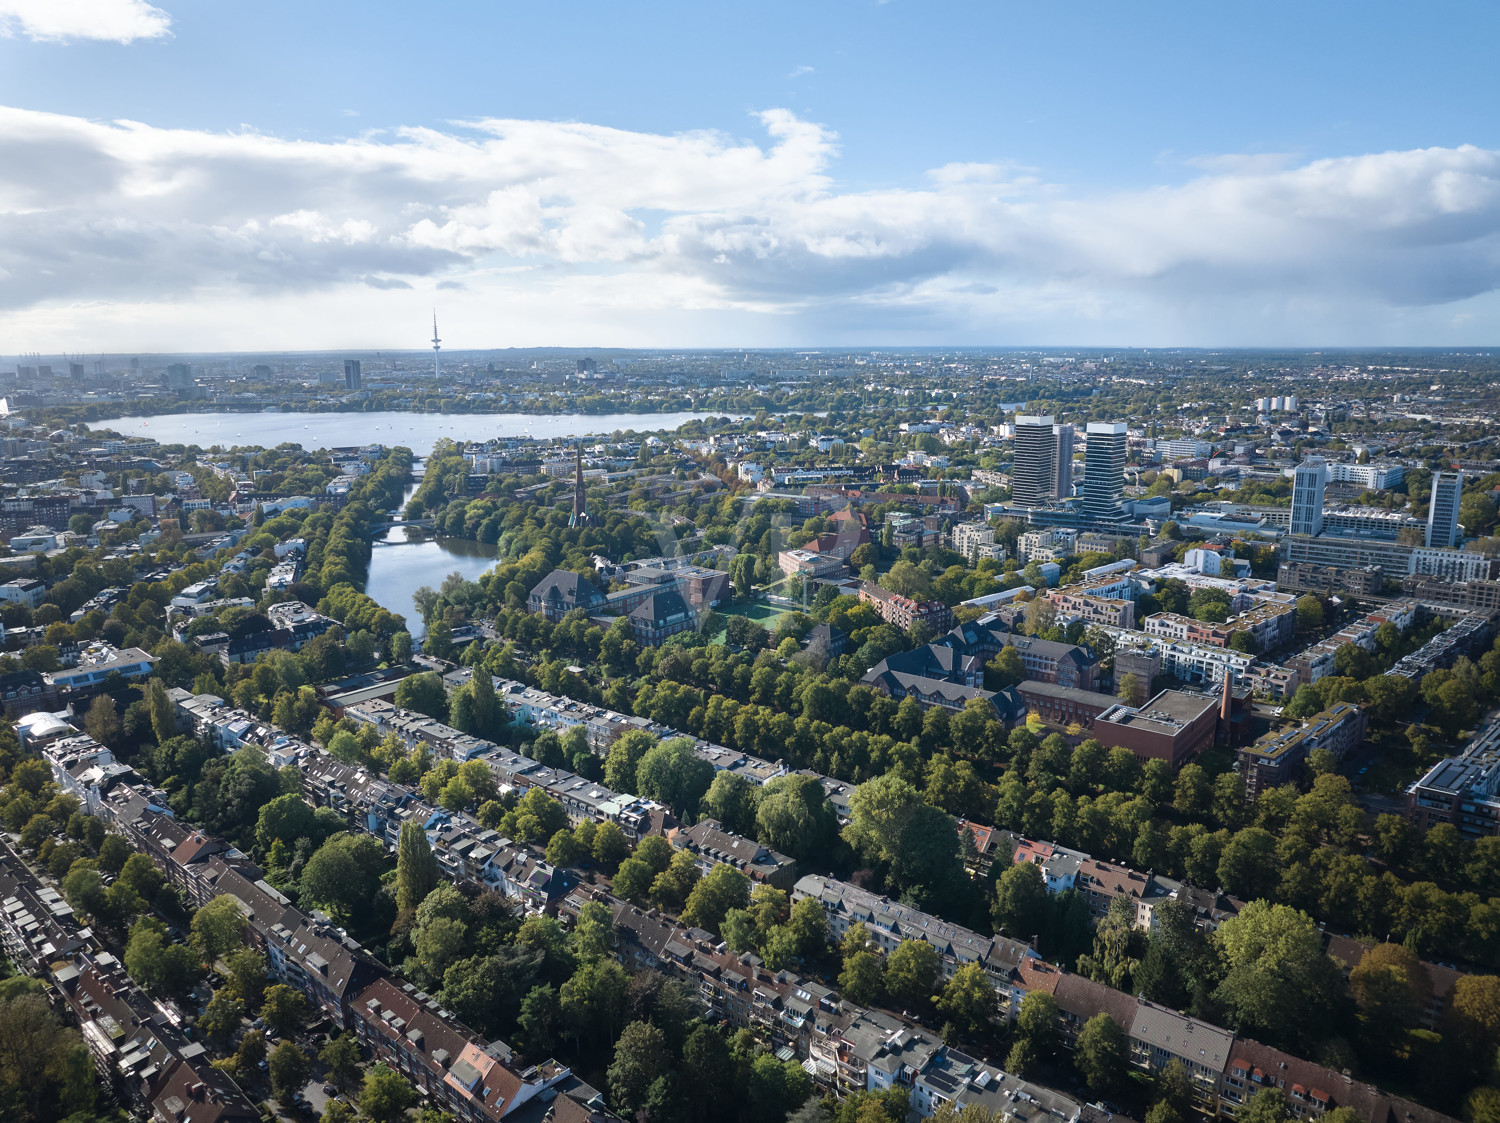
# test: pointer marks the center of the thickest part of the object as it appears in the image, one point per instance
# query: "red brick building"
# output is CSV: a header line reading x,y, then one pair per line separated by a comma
x,y
903,612
1174,727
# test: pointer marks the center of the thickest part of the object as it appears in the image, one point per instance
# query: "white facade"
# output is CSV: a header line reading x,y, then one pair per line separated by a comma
x,y
1185,448
1372,477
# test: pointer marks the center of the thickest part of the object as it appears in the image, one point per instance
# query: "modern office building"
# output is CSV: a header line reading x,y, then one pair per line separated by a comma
x,y
1442,510
352,379
1062,476
1396,558
1033,472
1307,496
1184,448
1104,476
1375,477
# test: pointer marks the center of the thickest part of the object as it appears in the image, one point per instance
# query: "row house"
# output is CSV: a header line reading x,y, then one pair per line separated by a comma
x,y
1100,882
304,951
889,922
846,1048
955,1079
84,768
370,803
141,814
1317,662
466,850
711,845
476,1080
469,852
558,713
1146,655
758,772
37,926
131,1044
419,730
151,1068
1225,1070
581,798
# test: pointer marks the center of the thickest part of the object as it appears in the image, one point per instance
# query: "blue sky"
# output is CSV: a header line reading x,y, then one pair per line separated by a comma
x,y
308,175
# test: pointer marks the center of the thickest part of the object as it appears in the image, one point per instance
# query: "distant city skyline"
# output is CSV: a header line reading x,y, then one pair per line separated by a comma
x,y
180,177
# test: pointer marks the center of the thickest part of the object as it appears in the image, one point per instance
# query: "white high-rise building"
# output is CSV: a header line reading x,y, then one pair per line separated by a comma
x,y
1034,469
1368,476
1063,473
1104,469
1184,448
1308,485
1442,510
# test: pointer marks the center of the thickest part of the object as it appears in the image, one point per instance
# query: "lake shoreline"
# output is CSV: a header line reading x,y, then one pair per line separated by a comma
x,y
419,432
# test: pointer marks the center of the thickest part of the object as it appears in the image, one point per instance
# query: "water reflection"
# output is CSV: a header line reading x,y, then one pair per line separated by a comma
x,y
405,558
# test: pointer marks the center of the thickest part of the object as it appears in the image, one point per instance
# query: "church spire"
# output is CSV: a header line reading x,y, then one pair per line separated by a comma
x,y
580,504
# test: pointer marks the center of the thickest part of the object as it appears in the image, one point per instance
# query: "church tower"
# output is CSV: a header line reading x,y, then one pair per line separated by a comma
x,y
580,506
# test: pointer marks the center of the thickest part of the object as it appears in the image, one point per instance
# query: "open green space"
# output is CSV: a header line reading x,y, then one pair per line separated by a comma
x,y
762,613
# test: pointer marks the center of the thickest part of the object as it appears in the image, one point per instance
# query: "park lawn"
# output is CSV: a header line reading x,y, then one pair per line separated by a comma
x,y
763,614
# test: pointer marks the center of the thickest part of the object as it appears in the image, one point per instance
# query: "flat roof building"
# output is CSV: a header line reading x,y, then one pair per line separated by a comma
x,y
1174,726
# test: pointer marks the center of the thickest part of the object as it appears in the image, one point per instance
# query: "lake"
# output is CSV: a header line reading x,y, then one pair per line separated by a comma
x,y
402,561
417,431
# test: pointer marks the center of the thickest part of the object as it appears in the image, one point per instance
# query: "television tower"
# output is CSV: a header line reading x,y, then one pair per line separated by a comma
x,y
437,346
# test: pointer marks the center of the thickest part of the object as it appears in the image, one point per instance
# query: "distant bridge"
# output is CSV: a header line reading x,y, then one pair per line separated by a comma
x,y
391,524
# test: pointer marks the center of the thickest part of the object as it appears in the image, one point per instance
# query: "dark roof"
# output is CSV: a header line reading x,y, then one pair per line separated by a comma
x,y
564,587
1083,998
17,680
1067,693
660,606
953,693
928,661
821,635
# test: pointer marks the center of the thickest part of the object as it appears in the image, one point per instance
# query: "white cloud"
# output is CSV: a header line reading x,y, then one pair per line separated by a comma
x,y
548,232
799,71
118,21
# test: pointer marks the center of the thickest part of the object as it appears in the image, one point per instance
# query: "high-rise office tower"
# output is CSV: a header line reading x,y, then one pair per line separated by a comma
x,y
352,378
1307,495
1104,469
1033,470
179,376
1062,475
1442,510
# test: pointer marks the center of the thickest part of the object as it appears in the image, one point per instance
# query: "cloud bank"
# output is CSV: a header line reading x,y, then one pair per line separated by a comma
x,y
553,232
58,21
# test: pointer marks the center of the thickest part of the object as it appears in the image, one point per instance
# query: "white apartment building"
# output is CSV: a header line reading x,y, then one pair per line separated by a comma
x,y
975,541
